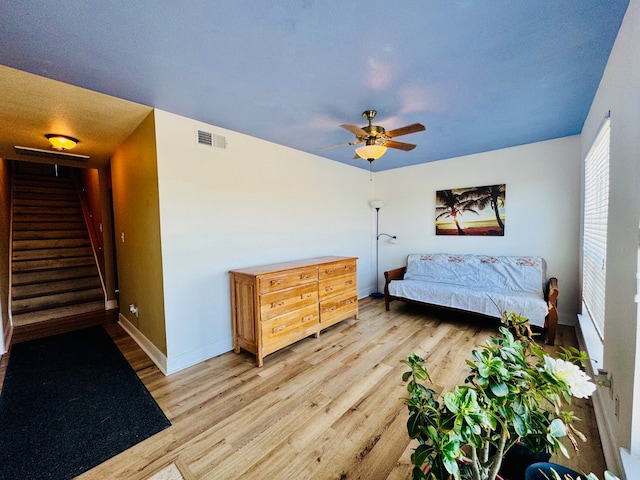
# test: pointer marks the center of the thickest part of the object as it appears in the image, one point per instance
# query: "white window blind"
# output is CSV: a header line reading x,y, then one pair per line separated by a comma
x,y
596,209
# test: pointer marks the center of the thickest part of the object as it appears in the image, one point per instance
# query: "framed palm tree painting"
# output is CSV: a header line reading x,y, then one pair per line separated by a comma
x,y
471,211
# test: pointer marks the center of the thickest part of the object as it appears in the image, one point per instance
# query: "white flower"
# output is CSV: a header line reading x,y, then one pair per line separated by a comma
x,y
578,381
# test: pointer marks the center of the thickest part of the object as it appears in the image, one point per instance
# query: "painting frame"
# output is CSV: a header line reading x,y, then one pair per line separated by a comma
x,y
471,211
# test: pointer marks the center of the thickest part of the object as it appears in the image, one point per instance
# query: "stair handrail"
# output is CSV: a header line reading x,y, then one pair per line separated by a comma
x,y
96,243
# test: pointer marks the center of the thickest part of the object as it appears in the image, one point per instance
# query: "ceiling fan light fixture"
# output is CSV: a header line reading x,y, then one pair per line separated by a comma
x,y
371,152
61,142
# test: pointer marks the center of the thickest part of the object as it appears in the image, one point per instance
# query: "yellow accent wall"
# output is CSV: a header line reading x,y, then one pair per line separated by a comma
x,y
134,178
5,220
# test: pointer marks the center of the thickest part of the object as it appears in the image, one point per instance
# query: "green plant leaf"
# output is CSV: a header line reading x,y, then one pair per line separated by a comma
x,y
418,474
499,389
421,455
413,425
557,428
519,426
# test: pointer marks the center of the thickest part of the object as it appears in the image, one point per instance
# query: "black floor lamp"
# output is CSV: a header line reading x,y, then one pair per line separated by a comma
x,y
378,204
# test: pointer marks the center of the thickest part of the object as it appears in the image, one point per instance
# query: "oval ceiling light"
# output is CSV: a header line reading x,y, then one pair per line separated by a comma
x,y
370,152
61,142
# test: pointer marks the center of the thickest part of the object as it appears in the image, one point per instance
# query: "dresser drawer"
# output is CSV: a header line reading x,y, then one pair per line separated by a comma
x,y
338,308
336,285
282,280
289,328
283,301
336,269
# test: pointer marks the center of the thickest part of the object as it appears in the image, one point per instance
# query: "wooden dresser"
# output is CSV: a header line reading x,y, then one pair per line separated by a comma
x,y
273,306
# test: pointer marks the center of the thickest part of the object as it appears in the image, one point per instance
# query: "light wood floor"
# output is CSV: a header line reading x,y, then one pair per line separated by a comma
x,y
327,408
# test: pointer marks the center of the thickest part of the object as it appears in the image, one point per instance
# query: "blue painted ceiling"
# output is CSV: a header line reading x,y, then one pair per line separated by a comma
x,y
479,74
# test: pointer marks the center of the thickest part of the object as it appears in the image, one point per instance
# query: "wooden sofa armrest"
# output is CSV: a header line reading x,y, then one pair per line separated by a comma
x,y
551,322
395,274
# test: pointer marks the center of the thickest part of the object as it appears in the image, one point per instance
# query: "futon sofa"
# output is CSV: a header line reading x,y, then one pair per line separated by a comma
x,y
481,284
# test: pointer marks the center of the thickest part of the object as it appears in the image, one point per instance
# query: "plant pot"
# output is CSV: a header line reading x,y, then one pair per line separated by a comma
x,y
427,468
542,471
517,459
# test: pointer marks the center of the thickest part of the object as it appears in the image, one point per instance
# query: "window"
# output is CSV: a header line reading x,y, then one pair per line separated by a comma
x,y
596,208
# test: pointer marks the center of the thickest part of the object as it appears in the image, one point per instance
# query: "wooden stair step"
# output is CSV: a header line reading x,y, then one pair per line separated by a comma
x,y
66,223
56,300
28,181
45,202
41,276
45,210
56,287
51,264
51,243
53,313
42,180
44,192
32,178
49,234
51,253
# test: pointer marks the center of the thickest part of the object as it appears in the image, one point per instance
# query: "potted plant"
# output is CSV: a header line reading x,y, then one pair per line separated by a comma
x,y
515,393
552,471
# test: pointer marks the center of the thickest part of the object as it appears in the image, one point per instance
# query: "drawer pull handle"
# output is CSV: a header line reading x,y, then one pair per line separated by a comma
x,y
306,295
349,302
328,271
328,289
304,276
306,318
276,282
348,282
277,329
277,304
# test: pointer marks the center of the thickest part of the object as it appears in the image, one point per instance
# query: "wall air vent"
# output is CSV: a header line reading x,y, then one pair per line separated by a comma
x,y
208,139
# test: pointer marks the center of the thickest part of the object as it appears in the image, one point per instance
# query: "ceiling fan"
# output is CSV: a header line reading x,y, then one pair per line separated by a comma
x,y
376,139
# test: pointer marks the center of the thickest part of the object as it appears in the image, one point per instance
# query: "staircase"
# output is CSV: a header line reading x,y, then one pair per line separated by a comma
x,y
53,269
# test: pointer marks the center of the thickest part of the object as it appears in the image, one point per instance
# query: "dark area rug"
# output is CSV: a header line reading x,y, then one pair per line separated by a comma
x,y
70,402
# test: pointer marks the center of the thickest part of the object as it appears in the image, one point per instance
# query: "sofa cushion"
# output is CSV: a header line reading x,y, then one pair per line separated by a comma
x,y
508,273
490,302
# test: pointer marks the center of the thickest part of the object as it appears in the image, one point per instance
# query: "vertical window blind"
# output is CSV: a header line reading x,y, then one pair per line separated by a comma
x,y
596,209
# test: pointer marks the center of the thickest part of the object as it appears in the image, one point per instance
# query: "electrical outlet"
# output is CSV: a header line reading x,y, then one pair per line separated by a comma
x,y
616,407
133,309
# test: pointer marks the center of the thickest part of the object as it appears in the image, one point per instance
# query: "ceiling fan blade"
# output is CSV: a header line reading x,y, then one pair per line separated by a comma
x,y
406,130
398,145
356,130
327,147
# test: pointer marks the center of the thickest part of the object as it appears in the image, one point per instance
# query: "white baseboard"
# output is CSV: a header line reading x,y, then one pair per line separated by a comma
x,y
589,341
567,319
631,464
8,332
176,362
145,344
188,359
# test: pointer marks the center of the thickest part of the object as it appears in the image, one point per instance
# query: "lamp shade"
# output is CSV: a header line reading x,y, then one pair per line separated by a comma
x,y
61,142
376,203
370,152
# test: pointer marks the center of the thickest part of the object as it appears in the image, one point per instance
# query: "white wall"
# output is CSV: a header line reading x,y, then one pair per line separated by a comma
x,y
255,203
619,92
542,209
